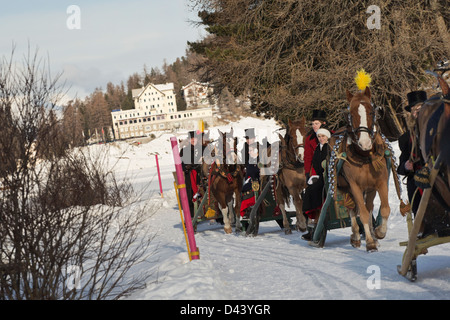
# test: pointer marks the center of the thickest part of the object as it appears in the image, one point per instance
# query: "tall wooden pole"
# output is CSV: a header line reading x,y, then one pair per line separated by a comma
x,y
184,199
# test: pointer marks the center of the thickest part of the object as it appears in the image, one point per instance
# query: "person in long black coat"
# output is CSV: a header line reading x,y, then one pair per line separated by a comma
x,y
191,155
410,163
314,193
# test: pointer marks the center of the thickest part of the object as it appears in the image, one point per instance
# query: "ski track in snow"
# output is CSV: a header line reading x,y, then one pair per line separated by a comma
x,y
272,265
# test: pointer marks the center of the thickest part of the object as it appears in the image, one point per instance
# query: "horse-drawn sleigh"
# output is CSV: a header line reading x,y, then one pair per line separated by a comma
x,y
360,163
221,185
359,166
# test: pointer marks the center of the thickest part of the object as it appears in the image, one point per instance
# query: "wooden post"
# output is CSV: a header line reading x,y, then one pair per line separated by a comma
x,y
409,254
159,176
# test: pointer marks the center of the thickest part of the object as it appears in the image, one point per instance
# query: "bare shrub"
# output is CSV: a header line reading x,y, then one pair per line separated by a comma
x,y
68,228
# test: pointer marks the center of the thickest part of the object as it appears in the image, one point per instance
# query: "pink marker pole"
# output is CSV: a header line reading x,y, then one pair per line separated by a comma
x,y
184,199
159,176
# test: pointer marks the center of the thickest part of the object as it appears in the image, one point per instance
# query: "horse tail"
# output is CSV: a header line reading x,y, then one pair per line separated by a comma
x,y
445,144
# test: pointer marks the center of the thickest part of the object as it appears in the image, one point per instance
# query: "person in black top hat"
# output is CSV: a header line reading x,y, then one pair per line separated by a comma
x,y
250,139
191,155
250,159
252,176
410,160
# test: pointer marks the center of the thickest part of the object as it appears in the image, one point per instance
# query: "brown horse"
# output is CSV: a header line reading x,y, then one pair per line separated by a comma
x,y
439,107
365,171
291,179
433,130
225,179
431,122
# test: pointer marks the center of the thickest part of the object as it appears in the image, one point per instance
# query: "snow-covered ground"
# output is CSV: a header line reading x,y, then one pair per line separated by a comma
x,y
271,266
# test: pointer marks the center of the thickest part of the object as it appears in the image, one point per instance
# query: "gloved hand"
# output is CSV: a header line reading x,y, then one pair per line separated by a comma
x,y
313,179
196,196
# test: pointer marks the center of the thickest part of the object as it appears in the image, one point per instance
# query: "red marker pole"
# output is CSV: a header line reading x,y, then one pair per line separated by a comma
x,y
159,176
184,199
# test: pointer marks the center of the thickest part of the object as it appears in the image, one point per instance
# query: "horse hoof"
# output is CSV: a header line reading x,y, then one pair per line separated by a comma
x,y
228,230
287,231
301,229
372,247
355,243
378,234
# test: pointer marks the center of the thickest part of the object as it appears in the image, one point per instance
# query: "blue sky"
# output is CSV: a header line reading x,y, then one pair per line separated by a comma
x,y
114,38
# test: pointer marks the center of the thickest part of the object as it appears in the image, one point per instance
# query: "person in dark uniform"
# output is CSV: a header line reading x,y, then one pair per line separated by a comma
x,y
314,195
249,156
191,155
250,139
410,160
251,177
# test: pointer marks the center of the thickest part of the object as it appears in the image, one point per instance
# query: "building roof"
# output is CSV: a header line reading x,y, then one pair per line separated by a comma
x,y
195,82
160,87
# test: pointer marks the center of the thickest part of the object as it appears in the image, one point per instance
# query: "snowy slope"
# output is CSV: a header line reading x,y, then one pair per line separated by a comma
x,y
271,266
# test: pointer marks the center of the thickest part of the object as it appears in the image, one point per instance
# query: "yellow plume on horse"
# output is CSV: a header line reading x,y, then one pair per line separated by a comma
x,y
362,79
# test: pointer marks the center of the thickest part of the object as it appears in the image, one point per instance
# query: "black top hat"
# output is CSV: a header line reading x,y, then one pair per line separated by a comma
x,y
250,133
415,97
191,134
319,115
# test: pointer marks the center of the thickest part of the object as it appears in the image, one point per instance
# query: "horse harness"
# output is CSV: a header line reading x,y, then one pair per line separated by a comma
x,y
218,170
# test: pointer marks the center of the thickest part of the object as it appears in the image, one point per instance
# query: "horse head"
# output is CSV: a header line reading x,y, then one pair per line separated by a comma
x,y
361,120
445,96
296,132
432,119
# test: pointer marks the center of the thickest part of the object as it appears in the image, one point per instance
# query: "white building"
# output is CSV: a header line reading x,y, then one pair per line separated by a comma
x,y
197,95
156,109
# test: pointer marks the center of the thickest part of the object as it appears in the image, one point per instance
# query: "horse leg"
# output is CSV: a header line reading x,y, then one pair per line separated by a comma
x,y
237,208
286,226
371,244
226,218
385,210
301,221
235,212
370,196
355,238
